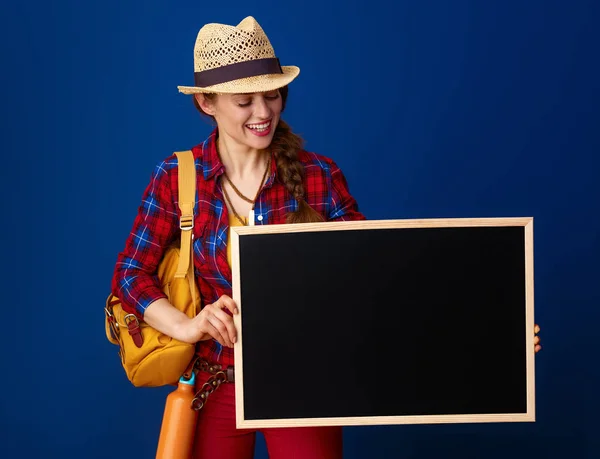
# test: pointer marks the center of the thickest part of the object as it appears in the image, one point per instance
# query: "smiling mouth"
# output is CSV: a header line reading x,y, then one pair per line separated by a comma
x,y
260,127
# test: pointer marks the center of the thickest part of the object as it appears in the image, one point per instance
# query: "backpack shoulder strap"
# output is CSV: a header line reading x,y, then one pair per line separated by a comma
x,y
187,195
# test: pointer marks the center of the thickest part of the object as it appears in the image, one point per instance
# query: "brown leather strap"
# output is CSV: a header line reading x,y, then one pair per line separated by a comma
x,y
187,374
201,364
133,326
229,372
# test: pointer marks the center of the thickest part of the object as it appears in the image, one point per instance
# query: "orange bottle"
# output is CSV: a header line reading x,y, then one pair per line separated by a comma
x,y
179,422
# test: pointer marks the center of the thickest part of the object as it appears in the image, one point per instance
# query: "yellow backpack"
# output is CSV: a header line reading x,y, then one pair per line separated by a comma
x,y
151,358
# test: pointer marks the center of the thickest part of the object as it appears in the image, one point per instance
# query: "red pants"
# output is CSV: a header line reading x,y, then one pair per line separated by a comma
x,y
218,438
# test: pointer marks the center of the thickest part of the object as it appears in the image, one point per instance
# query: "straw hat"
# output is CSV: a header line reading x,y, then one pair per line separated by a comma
x,y
238,59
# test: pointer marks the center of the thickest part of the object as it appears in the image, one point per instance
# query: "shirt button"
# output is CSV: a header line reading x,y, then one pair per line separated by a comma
x,y
260,218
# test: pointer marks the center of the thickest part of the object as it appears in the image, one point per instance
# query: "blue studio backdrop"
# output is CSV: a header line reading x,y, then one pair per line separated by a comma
x,y
450,108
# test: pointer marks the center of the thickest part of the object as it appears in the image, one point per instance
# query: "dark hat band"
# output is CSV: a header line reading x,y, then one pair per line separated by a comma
x,y
236,71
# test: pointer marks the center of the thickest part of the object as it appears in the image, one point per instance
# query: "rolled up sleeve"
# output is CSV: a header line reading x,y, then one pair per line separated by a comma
x,y
134,280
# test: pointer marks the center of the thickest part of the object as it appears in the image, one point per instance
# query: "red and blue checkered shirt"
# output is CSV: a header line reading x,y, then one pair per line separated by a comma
x,y
157,224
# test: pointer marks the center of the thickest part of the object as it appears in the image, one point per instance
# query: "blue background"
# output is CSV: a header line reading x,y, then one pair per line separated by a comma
x,y
432,109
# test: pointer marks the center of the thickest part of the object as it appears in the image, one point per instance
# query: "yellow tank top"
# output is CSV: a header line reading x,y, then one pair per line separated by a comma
x,y
232,222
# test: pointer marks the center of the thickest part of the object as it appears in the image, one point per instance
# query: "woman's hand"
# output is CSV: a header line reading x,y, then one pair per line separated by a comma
x,y
214,322
536,338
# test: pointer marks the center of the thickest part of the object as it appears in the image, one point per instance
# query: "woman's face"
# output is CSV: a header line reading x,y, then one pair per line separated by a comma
x,y
246,119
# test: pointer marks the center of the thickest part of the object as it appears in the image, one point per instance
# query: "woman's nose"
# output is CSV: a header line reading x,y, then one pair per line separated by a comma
x,y
262,109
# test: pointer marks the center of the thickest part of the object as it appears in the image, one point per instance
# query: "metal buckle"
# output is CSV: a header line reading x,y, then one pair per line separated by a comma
x,y
186,222
131,318
113,324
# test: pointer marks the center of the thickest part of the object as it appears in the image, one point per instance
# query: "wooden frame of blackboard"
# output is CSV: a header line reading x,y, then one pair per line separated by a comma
x,y
526,415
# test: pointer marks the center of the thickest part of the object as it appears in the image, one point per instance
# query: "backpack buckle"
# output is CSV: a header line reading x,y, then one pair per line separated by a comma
x,y
186,222
113,324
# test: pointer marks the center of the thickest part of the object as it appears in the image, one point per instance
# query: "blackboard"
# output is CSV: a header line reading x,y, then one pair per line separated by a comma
x,y
384,322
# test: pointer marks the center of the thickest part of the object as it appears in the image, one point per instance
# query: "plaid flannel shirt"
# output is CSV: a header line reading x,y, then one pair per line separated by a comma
x,y
157,224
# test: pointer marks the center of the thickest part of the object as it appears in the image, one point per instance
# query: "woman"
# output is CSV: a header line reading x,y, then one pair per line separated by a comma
x,y
251,167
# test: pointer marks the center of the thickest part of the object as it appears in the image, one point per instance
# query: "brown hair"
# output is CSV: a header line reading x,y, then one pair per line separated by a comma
x,y
290,171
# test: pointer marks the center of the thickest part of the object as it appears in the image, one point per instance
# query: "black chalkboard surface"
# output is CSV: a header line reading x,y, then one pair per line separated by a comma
x,y
384,322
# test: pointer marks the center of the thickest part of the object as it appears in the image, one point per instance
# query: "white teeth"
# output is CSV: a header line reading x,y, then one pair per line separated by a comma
x,y
259,127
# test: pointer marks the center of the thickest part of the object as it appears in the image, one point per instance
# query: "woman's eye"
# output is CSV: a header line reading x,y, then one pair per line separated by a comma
x,y
274,96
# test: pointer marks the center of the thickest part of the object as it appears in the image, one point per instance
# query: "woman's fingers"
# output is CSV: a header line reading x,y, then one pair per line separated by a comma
x,y
230,333
214,320
227,321
536,339
223,335
227,302
215,333
222,324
